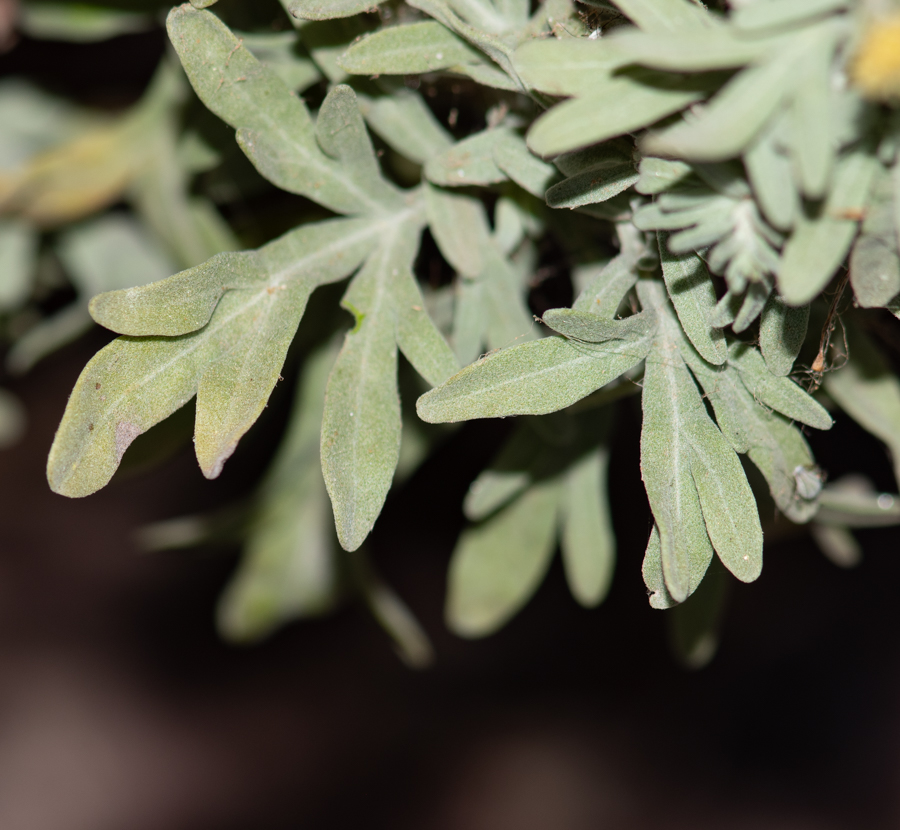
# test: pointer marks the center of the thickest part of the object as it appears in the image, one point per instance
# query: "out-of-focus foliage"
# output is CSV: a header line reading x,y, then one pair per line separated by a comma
x,y
734,173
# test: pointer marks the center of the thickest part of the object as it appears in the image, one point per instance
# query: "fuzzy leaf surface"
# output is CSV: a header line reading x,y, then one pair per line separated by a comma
x,y
497,566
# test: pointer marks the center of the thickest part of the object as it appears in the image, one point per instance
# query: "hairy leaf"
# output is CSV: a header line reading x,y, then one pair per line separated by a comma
x,y
497,566
588,542
694,298
407,50
531,379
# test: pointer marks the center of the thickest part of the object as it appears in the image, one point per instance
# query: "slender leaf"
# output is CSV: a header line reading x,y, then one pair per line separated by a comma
x,y
591,186
734,117
273,126
694,298
614,106
869,392
407,50
319,10
780,393
587,540
289,567
820,242
497,566
531,379
404,121
782,331
471,161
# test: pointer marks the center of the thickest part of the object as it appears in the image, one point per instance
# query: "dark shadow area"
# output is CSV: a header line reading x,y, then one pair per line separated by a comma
x,y
121,709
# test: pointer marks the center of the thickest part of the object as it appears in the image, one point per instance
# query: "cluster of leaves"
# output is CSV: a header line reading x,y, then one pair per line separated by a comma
x,y
735,161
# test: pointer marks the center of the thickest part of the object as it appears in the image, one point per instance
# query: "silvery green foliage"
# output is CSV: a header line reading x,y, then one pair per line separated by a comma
x,y
726,158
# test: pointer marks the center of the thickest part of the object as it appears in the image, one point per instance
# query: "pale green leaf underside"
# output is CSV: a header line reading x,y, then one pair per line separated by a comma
x,y
330,9
289,568
587,541
614,106
361,426
273,125
319,252
498,565
868,391
531,379
694,297
406,50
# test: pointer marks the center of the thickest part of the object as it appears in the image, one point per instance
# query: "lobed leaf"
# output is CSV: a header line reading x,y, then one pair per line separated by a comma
x,y
273,126
289,568
361,424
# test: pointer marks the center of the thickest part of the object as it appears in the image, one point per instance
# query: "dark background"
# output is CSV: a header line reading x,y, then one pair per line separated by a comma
x,y
120,709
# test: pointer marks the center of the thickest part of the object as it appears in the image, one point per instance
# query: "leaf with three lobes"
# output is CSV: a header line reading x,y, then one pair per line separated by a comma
x,y
361,425
498,565
227,346
273,126
289,567
820,242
